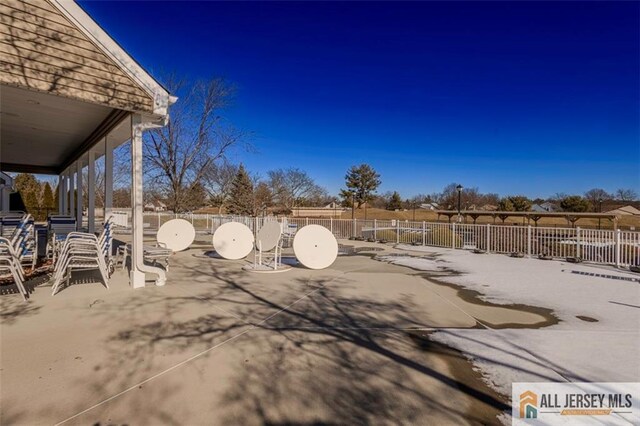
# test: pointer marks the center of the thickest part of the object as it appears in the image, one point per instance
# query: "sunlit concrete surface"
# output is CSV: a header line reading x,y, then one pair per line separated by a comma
x,y
219,345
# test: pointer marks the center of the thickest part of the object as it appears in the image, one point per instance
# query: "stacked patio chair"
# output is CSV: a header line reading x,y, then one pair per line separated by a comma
x,y
59,226
9,222
18,229
17,247
83,251
10,263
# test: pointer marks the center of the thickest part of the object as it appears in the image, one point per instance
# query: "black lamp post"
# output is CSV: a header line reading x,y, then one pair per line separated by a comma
x,y
459,188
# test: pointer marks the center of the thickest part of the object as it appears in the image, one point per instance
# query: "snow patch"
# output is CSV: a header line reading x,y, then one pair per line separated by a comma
x,y
574,350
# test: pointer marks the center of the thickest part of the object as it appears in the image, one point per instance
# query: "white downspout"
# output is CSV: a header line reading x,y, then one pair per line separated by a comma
x,y
138,267
61,193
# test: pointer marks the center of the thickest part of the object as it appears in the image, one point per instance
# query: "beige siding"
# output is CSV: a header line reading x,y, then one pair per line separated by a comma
x,y
40,49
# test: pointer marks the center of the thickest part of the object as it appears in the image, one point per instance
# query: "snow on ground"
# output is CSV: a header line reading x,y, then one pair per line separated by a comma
x,y
574,350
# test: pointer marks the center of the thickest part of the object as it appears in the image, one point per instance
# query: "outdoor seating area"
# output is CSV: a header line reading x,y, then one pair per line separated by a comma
x,y
66,250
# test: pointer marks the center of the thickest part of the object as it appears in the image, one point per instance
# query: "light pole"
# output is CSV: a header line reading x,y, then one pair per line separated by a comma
x,y
459,188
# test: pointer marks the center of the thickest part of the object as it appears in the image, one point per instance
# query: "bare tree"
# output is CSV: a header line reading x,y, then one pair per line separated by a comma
x,y
218,181
291,187
178,155
626,194
595,197
262,198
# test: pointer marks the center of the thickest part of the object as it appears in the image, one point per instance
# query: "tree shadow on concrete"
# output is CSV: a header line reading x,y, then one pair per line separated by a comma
x,y
325,358
328,358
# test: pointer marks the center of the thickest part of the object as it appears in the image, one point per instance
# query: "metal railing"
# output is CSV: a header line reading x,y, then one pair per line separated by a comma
x,y
611,247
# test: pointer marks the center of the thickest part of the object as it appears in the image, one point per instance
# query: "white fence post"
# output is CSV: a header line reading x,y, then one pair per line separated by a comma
x,y
577,241
353,229
453,236
306,221
331,224
617,237
397,231
375,229
424,233
528,240
488,237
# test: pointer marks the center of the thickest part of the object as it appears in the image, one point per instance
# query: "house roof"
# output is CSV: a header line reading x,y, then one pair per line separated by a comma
x,y
626,211
94,32
66,86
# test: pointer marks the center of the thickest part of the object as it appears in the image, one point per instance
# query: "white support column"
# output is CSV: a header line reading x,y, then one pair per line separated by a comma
x,y
79,195
108,178
61,194
91,193
4,198
64,194
72,195
138,268
5,193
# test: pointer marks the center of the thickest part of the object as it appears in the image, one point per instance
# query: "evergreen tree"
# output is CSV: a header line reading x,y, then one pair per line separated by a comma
x,y
574,203
47,197
241,196
195,197
56,197
395,202
505,205
361,181
29,188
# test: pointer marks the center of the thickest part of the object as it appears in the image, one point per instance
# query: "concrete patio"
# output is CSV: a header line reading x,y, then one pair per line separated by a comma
x,y
218,345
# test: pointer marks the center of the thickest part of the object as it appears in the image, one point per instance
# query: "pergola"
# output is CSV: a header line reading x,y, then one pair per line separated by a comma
x,y
570,217
69,94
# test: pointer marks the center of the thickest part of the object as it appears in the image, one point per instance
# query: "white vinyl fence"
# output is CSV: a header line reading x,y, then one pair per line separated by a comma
x,y
620,248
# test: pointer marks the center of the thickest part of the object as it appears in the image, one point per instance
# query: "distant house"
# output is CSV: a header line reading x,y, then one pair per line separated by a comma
x,y
429,206
333,205
625,211
489,208
332,209
156,206
543,208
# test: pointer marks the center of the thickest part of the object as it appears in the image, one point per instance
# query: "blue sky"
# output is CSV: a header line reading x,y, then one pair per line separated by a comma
x,y
517,98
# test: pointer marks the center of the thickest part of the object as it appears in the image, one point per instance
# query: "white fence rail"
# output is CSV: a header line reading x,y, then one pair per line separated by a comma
x,y
612,247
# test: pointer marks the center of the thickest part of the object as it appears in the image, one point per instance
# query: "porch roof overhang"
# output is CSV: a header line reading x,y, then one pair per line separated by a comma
x,y
52,115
